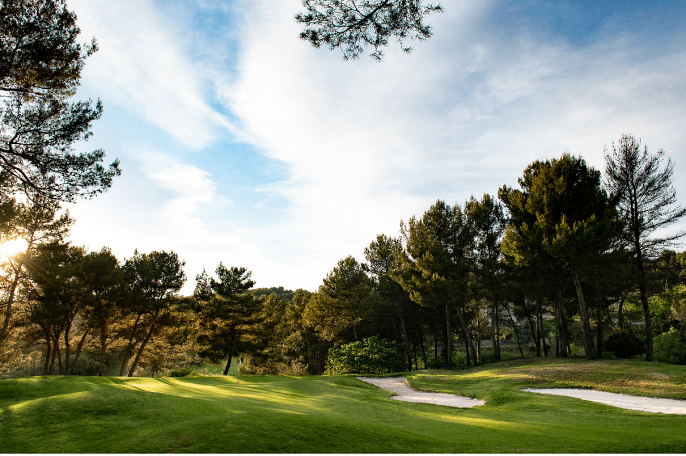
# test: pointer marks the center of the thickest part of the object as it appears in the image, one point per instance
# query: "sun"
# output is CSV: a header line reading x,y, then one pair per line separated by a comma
x,y
13,247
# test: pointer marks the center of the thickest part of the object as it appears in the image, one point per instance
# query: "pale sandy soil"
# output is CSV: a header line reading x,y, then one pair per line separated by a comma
x,y
643,404
400,386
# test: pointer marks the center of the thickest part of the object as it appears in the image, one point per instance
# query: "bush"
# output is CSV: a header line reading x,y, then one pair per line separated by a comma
x,y
433,362
624,345
459,360
369,356
670,348
183,372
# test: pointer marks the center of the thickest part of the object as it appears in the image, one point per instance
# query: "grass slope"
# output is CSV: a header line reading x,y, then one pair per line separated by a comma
x,y
340,414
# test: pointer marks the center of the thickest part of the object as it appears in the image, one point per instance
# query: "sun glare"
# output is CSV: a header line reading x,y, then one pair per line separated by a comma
x,y
11,248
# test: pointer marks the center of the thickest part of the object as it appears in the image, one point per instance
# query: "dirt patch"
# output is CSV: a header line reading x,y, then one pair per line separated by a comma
x,y
404,392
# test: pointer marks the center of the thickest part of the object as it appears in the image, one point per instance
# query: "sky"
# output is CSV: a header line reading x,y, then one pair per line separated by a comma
x,y
242,144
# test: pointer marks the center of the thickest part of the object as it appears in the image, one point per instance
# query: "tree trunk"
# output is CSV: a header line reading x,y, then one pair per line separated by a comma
x,y
8,306
228,365
404,329
533,328
140,350
478,348
48,353
468,336
599,326
562,325
497,330
557,328
421,343
55,349
67,350
416,364
130,345
514,327
494,351
642,291
448,338
79,347
646,310
466,350
585,325
541,330
620,316
103,344
59,357
307,351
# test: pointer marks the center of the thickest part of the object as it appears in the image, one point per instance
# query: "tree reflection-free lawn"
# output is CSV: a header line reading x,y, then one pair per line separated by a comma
x,y
328,415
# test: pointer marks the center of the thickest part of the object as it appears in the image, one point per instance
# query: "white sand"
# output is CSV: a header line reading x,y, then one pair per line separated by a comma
x,y
400,386
643,404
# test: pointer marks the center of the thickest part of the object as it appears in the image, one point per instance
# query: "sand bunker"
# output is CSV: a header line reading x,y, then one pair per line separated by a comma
x,y
643,404
400,386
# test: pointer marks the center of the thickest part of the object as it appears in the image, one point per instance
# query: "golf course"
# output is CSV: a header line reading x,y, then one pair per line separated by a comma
x,y
341,414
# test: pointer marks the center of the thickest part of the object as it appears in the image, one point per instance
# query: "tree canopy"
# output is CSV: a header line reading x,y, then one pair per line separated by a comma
x,y
40,69
353,24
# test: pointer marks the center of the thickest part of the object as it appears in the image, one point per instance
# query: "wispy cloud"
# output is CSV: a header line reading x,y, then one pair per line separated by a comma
x,y
142,64
369,144
365,144
191,188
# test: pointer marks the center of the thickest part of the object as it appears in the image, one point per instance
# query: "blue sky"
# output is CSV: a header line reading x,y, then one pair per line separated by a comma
x,y
242,144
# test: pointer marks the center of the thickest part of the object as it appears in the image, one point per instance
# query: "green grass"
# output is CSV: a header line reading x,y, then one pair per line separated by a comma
x,y
340,414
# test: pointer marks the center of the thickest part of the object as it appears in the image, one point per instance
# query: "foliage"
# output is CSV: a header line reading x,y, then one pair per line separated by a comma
x,y
383,263
55,300
277,343
227,311
353,24
646,196
342,302
435,362
154,279
286,295
670,347
182,372
40,68
646,203
624,345
438,262
368,356
561,216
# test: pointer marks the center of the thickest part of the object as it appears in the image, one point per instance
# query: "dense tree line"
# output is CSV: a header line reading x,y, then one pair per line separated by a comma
x,y
552,268
569,263
566,264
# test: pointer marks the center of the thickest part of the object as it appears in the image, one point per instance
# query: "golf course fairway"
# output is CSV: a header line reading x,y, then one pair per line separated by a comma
x,y
340,414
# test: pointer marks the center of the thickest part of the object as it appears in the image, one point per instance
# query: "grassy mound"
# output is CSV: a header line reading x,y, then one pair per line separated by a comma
x,y
340,414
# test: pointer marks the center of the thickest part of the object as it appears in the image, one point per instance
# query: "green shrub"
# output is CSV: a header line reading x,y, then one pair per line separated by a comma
x,y
624,345
459,360
433,362
183,372
369,356
670,348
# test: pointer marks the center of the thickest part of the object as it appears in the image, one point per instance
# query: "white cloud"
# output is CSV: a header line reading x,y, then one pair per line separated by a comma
x,y
165,208
371,143
142,65
192,187
365,144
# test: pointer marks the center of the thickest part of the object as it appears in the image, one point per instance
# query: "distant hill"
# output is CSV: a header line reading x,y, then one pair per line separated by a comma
x,y
286,295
